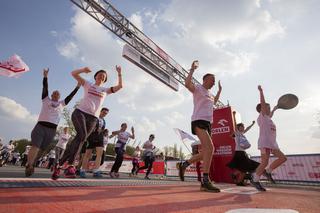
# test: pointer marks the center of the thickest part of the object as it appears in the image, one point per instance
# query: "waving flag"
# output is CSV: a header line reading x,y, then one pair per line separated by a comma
x,y
13,67
183,135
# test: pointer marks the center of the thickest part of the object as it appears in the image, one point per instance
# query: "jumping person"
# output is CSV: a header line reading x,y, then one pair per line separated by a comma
x,y
62,144
240,162
267,143
148,156
49,117
85,116
95,141
201,118
120,147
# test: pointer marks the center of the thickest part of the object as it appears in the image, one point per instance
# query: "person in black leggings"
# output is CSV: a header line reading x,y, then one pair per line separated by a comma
x,y
148,156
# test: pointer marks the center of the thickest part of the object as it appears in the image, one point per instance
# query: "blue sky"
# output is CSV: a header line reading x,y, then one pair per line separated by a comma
x,y
274,43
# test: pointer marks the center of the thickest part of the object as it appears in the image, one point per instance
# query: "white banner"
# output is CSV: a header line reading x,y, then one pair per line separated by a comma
x,y
297,168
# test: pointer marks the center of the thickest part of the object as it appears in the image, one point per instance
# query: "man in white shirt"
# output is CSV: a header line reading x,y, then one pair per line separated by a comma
x,y
202,118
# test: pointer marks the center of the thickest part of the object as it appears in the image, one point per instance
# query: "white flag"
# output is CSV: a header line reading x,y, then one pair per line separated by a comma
x,y
183,135
13,67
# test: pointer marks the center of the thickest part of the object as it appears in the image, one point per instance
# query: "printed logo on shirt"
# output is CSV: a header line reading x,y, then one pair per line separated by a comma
x,y
96,91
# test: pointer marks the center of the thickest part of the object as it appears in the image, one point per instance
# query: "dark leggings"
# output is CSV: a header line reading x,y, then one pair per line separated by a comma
x,y
84,125
148,161
135,167
118,162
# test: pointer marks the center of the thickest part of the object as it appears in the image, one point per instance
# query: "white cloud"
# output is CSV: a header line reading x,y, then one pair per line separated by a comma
x,y
12,110
16,121
136,19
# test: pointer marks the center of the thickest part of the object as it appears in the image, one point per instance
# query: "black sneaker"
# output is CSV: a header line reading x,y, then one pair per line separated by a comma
x,y
208,187
258,186
182,170
269,177
29,171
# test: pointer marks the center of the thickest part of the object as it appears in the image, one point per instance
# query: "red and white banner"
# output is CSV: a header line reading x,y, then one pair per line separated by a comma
x,y
224,144
13,67
304,168
172,170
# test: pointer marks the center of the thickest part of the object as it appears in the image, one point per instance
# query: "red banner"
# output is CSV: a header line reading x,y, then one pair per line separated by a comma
x,y
224,145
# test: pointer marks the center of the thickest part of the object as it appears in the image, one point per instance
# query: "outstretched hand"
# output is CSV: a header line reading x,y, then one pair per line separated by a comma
x,y
86,70
195,65
45,72
260,88
219,85
118,69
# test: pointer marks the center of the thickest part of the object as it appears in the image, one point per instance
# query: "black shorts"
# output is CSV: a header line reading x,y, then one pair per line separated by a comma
x,y
95,140
202,124
242,162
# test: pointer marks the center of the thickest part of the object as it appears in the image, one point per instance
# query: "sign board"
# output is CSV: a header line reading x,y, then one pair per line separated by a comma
x,y
135,57
224,145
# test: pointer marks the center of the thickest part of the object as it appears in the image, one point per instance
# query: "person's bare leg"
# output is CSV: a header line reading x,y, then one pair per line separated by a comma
x,y
99,151
32,155
207,148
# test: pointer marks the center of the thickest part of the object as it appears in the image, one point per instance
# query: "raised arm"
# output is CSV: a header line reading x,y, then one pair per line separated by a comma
x,y
132,133
249,127
273,110
216,98
76,74
119,85
262,101
188,82
114,133
70,96
45,83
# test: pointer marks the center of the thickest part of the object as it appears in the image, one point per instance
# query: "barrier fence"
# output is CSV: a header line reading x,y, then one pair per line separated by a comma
x,y
298,169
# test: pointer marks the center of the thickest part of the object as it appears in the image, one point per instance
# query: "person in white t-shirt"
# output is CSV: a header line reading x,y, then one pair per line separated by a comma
x,y
44,131
204,103
25,155
148,156
267,143
63,140
85,116
120,147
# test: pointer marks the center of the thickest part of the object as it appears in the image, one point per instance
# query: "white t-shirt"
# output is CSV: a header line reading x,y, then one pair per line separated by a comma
x,y
203,104
63,140
136,153
148,148
8,147
27,150
267,134
105,142
93,98
51,110
241,141
52,153
123,138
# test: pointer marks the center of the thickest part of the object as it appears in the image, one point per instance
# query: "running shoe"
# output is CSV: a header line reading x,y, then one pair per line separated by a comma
x,y
112,175
82,174
29,171
56,173
258,186
70,172
147,178
97,174
182,170
116,174
269,177
208,187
